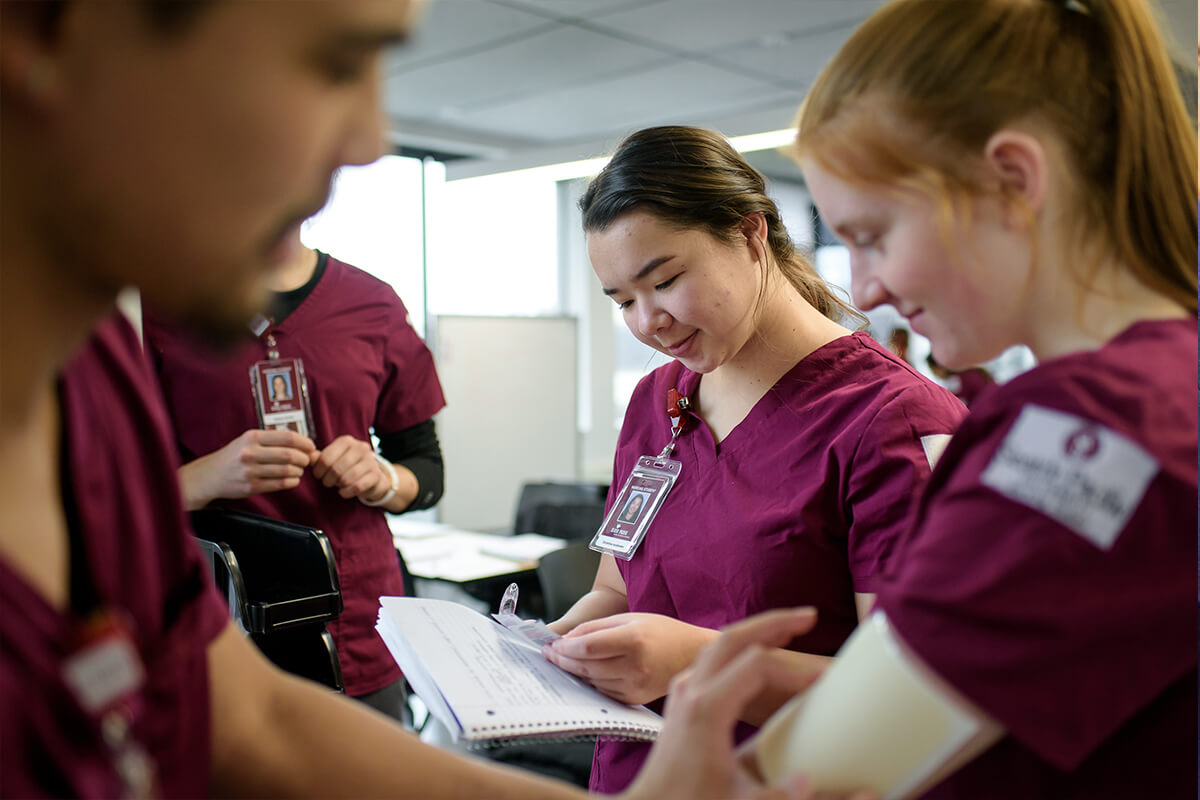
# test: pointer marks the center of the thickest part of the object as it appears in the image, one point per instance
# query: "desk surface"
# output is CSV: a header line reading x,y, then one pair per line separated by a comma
x,y
441,552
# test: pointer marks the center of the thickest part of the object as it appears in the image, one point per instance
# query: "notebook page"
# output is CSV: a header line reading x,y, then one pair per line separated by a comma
x,y
495,683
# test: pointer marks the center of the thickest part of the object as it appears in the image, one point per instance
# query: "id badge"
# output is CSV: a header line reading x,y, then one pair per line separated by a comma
x,y
281,396
105,673
642,495
105,668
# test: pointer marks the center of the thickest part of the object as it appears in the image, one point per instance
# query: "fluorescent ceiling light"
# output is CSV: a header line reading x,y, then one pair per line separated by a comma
x,y
586,168
764,141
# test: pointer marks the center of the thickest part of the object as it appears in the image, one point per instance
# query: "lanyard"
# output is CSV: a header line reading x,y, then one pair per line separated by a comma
x,y
645,489
677,404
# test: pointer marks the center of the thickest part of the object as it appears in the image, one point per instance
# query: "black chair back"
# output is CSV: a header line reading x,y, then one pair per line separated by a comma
x,y
571,511
566,575
280,580
287,572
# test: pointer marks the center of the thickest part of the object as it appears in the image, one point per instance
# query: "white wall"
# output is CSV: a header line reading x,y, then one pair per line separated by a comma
x,y
510,416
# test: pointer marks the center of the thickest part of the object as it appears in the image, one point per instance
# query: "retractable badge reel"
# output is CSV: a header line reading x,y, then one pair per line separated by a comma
x,y
279,386
644,491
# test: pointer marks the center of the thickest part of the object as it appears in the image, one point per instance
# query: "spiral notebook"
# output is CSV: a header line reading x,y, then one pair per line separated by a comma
x,y
489,686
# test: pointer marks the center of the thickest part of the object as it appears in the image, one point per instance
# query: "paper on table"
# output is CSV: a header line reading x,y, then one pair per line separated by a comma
x,y
522,547
464,556
415,529
463,566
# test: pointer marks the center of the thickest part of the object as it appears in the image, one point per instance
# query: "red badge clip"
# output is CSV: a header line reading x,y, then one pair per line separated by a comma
x,y
676,405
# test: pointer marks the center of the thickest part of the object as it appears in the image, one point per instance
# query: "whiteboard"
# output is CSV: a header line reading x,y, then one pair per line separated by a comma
x,y
511,412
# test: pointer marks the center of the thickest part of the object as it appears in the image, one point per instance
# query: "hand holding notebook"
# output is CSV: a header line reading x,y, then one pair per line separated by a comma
x,y
488,684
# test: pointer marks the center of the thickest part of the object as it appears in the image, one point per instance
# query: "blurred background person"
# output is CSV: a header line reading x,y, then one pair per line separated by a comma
x,y
344,337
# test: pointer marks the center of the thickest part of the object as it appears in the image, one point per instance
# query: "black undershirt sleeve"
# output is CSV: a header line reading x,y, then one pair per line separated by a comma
x,y
417,449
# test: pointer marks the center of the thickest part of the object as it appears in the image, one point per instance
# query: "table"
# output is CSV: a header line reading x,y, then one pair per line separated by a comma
x,y
472,567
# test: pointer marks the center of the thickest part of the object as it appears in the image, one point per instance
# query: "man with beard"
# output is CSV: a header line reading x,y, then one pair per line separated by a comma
x,y
176,145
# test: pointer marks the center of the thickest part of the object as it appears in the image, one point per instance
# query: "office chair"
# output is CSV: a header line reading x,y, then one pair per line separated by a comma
x,y
566,575
281,583
569,511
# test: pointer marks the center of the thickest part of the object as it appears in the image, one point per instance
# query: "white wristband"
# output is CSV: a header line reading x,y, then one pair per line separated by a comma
x,y
391,492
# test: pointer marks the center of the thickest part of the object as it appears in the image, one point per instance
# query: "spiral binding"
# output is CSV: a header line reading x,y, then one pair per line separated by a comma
x,y
560,731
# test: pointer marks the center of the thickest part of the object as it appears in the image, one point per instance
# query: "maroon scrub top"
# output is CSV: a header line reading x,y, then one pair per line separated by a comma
x,y
366,369
799,505
1069,616
120,465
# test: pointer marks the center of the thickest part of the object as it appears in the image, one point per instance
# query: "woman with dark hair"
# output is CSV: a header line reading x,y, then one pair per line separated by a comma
x,y
633,508
801,441
279,389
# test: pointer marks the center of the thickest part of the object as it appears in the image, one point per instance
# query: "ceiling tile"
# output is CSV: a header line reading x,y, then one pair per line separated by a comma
x,y
454,28
559,59
577,9
707,26
796,61
680,91
561,72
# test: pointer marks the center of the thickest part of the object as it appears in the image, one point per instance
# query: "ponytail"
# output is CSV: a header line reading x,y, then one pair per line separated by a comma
x,y
912,98
1153,211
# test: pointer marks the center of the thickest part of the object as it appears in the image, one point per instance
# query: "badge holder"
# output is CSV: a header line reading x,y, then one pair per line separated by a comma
x,y
281,395
279,386
643,494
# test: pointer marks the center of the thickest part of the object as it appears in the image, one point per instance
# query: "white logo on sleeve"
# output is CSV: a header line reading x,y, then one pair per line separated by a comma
x,y
1082,474
934,445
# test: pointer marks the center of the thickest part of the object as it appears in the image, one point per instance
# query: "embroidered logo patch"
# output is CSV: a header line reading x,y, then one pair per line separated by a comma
x,y
1081,474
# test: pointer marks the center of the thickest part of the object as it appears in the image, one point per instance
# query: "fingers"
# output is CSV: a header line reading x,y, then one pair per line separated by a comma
x,y
284,438
619,689
592,669
264,478
276,459
359,477
717,697
797,790
273,485
351,466
275,455
338,457
772,629
256,447
595,644
602,624
801,788
731,671
265,472
330,455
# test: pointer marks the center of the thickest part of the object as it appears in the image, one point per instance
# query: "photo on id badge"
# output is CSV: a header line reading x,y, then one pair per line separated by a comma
x,y
626,523
279,395
633,507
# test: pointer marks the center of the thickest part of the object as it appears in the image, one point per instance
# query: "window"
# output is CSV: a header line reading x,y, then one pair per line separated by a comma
x,y
375,220
493,246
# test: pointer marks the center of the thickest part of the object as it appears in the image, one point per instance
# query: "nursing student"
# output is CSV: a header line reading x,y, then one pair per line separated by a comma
x,y
121,673
342,337
1004,172
798,443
